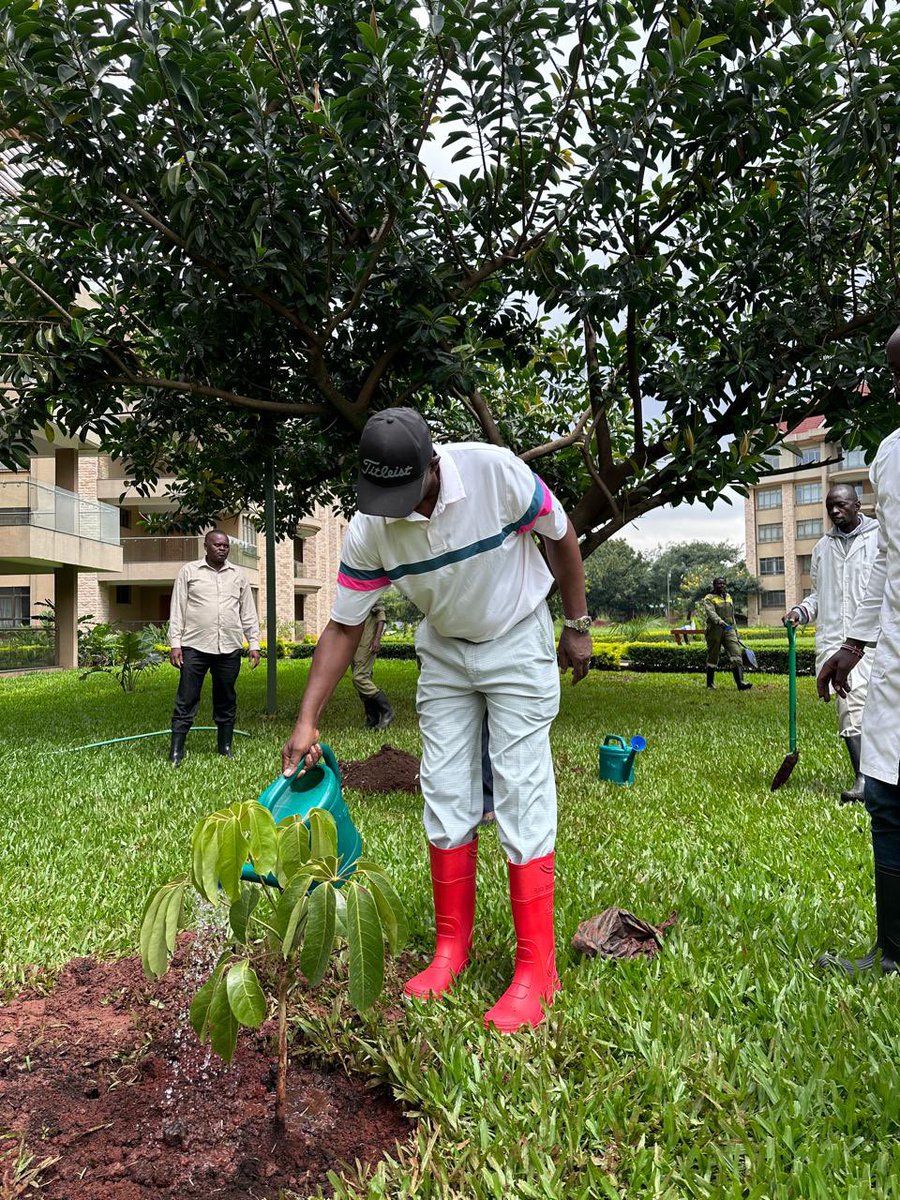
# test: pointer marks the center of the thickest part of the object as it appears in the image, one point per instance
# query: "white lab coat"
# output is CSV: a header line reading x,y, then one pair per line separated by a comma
x,y
840,574
877,620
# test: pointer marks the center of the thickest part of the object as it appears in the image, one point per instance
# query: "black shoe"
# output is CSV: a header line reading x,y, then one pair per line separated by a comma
x,y
738,673
857,793
225,736
373,711
176,749
885,954
711,677
385,711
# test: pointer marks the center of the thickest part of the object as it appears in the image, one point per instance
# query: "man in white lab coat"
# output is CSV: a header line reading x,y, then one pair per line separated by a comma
x,y
841,565
877,622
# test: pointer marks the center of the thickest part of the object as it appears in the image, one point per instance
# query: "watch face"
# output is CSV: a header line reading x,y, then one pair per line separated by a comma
x,y
580,624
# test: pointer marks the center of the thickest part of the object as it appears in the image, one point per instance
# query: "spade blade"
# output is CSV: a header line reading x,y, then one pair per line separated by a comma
x,y
783,774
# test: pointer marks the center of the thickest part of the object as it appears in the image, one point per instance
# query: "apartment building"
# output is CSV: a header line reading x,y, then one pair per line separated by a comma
x,y
53,537
127,577
785,514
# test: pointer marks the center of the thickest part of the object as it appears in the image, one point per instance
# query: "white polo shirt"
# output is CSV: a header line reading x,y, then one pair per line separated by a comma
x,y
471,567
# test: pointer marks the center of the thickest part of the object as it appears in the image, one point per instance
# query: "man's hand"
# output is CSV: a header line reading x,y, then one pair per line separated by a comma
x,y
791,618
302,744
176,658
835,674
254,657
574,651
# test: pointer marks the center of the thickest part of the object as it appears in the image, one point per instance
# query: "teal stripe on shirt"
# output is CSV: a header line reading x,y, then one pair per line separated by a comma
x,y
427,565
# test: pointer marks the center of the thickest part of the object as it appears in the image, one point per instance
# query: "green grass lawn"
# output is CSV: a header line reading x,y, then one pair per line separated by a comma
x,y
725,1068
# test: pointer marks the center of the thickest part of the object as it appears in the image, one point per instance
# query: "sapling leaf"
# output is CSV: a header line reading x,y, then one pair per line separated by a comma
x,y
293,848
242,910
318,939
148,926
366,944
233,849
174,919
263,840
199,1013
245,995
322,834
340,914
223,1026
206,858
295,920
390,910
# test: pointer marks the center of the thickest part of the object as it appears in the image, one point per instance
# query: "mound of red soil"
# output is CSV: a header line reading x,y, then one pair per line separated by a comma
x,y
105,1083
390,770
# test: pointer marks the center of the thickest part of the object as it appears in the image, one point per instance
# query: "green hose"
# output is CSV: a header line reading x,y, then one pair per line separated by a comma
x,y
136,736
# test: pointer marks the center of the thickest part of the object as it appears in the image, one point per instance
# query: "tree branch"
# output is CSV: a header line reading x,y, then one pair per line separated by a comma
x,y
200,389
559,443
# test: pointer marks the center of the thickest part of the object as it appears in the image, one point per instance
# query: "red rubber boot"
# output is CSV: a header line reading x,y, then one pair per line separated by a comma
x,y
534,979
453,885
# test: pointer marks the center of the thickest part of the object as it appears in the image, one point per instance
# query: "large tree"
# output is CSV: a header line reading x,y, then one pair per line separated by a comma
x,y
236,228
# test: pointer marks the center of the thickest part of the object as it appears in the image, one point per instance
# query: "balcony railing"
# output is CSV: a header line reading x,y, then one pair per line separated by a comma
x,y
42,506
181,550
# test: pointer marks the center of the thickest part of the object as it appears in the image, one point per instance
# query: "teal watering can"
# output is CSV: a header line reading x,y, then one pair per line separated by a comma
x,y
299,794
617,759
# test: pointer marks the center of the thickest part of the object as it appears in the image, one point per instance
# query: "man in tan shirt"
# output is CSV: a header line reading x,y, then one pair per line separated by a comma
x,y
211,616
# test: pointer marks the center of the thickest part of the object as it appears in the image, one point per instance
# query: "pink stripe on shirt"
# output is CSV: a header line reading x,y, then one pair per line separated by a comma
x,y
546,507
362,585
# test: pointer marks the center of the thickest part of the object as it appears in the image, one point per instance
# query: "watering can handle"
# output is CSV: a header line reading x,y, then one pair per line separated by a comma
x,y
612,738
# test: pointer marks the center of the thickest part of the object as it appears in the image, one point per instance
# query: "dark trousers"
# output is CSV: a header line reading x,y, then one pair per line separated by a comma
x,y
487,771
883,803
224,669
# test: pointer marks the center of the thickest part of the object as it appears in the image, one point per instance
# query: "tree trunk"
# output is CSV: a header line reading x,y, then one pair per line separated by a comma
x,y
281,1080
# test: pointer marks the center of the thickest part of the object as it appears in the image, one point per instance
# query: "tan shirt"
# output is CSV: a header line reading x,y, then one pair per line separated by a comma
x,y
212,610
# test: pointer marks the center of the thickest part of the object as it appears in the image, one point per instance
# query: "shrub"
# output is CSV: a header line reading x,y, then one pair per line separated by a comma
x,y
644,656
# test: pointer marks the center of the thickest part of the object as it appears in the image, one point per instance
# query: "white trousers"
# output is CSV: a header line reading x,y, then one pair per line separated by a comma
x,y
516,678
850,710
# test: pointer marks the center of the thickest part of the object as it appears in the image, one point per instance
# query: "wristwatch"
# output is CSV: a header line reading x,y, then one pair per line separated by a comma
x,y
579,624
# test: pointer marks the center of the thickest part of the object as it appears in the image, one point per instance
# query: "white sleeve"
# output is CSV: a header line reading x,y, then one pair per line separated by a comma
x,y
361,577
532,506
866,625
177,606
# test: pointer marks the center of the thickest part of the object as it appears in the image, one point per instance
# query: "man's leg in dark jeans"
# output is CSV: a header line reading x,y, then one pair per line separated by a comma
x,y
225,669
190,685
883,804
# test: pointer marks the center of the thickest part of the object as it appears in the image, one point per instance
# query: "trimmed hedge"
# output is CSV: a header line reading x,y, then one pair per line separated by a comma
x,y
761,633
16,658
643,656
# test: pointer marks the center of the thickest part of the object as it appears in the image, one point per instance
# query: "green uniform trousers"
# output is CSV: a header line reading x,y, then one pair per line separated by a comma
x,y
718,638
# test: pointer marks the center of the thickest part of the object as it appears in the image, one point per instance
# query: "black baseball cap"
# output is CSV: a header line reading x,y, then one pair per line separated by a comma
x,y
395,453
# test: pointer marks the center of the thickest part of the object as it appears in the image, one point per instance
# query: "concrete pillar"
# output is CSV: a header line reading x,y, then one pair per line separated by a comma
x,y
67,617
67,470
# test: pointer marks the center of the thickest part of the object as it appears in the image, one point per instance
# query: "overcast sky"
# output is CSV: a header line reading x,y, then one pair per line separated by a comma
x,y
688,522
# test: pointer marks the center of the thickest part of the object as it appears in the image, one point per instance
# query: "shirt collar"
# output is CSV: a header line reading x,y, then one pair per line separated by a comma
x,y
452,489
226,566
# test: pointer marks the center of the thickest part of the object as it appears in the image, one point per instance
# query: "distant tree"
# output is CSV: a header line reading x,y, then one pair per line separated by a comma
x,y
617,581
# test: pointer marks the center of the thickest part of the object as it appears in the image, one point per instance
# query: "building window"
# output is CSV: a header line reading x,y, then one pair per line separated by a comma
x,y
298,549
124,518
853,460
247,532
299,605
771,566
123,594
772,599
809,529
808,493
810,455
770,533
15,605
768,498
804,564
772,459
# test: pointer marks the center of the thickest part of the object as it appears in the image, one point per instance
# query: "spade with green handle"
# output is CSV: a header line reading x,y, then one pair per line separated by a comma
x,y
783,774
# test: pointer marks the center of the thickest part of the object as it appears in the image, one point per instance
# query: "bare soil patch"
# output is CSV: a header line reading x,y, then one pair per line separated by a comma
x,y
390,770
104,1082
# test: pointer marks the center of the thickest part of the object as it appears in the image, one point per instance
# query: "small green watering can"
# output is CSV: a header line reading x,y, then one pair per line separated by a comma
x,y
318,787
617,759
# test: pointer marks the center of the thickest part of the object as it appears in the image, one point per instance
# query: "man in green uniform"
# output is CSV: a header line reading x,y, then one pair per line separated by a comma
x,y
379,712
718,609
